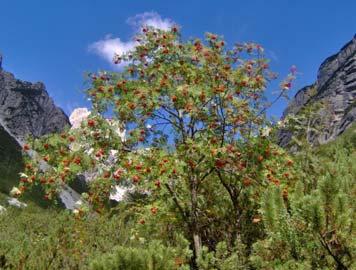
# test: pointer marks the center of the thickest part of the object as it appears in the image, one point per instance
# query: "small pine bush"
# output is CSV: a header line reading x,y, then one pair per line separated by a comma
x,y
153,256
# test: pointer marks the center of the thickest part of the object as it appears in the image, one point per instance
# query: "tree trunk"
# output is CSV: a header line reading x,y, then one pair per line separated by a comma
x,y
236,224
197,243
196,246
194,223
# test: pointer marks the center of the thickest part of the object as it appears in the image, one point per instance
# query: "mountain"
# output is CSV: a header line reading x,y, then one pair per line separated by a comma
x,y
25,109
332,97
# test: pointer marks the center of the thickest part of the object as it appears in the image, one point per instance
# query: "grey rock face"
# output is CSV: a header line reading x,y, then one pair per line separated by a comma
x,y
335,88
300,99
16,203
26,108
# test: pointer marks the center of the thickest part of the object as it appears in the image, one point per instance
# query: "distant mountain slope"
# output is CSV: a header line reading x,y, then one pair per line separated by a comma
x,y
335,91
25,109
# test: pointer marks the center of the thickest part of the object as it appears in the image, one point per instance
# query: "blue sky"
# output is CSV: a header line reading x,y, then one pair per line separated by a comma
x,y
49,41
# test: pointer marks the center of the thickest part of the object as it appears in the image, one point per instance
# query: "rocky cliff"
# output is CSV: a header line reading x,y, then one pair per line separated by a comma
x,y
335,91
26,108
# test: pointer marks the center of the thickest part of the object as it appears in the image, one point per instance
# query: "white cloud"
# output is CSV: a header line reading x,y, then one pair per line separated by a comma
x,y
109,46
149,19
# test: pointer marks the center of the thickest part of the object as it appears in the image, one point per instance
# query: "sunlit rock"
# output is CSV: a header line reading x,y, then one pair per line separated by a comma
x,y
15,202
78,116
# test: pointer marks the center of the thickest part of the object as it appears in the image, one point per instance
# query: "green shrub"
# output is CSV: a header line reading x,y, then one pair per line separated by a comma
x,y
35,238
313,227
153,256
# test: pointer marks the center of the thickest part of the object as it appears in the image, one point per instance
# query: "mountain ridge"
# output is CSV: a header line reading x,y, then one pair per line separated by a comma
x,y
335,88
26,108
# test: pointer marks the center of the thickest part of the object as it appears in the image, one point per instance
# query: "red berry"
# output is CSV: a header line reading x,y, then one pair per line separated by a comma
x,y
138,167
99,153
135,178
91,123
28,166
77,160
290,162
142,221
158,183
117,174
220,163
247,182
276,182
154,210
26,147
23,179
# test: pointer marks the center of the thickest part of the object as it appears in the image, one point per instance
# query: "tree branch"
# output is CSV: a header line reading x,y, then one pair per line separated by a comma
x,y
184,214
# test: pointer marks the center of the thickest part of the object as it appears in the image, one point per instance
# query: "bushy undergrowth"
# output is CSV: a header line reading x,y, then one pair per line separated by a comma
x,y
36,238
312,228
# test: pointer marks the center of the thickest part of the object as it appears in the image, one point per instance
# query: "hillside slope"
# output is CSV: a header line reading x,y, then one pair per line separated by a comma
x,y
25,109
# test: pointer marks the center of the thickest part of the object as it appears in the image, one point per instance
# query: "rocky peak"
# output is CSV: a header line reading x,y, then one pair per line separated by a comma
x,y
26,108
335,88
333,63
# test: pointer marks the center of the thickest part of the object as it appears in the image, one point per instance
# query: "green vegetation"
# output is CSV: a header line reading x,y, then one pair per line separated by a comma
x,y
209,187
10,162
314,226
301,231
37,238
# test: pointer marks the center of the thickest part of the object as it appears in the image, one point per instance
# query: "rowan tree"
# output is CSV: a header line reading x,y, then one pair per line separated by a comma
x,y
197,139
